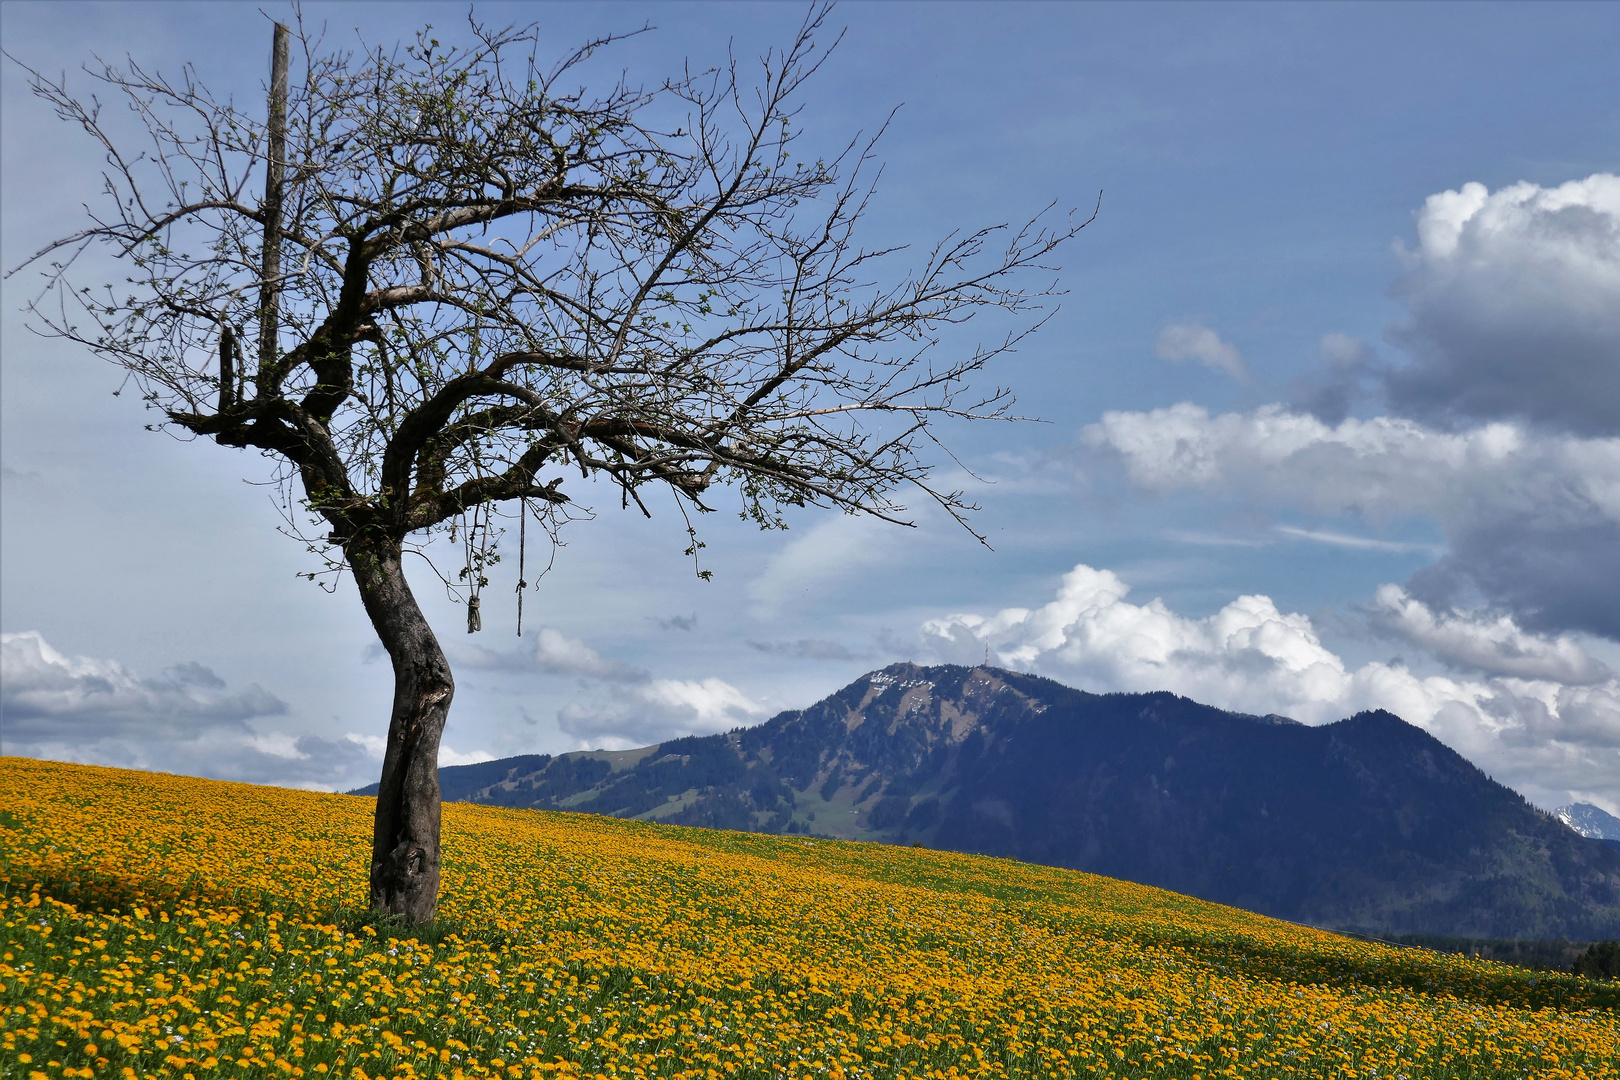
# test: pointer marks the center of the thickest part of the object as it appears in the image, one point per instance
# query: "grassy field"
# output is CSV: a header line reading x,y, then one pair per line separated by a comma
x,y
164,926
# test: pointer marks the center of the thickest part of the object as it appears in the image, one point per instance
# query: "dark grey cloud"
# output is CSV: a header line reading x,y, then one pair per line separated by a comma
x,y
676,622
1552,575
1514,308
808,649
1347,371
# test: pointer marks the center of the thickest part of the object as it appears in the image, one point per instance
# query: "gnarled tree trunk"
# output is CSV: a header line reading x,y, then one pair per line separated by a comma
x,y
405,839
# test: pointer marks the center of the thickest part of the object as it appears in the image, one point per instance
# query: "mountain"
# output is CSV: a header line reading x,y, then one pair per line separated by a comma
x,y
1368,823
1592,822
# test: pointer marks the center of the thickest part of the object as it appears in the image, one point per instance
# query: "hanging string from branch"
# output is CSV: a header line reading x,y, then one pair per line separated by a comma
x,y
523,540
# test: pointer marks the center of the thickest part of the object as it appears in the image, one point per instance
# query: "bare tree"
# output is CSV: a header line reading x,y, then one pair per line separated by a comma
x,y
461,272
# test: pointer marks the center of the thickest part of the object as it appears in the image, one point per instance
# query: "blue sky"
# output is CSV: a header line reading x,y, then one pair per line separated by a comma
x,y
1318,436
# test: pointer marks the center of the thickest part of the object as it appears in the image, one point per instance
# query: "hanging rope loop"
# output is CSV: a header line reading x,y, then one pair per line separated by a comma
x,y
477,555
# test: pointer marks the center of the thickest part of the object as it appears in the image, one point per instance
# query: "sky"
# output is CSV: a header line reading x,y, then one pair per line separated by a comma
x,y
1329,411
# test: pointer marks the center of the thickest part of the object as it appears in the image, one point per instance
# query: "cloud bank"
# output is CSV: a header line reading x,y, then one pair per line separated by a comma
x,y
1536,712
186,720
49,696
1531,520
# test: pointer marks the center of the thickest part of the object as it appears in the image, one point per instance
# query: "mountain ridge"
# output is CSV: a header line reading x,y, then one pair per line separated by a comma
x,y
1368,823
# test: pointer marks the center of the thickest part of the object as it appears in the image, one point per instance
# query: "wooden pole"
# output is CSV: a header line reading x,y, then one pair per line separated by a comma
x,y
274,174
227,370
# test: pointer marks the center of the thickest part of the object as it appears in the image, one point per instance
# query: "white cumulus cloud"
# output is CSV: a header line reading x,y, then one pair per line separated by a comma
x,y
1548,737
1248,655
657,711
448,756
1514,307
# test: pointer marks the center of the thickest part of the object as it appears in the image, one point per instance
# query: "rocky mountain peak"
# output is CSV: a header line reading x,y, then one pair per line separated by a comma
x,y
1592,822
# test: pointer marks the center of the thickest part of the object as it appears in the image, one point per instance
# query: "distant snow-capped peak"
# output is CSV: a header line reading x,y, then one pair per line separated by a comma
x,y
1590,821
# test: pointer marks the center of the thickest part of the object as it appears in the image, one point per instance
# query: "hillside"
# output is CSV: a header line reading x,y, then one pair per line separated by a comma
x,y
1369,823
156,925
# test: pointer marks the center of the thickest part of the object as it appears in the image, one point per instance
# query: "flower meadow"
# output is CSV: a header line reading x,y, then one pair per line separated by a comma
x,y
160,926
